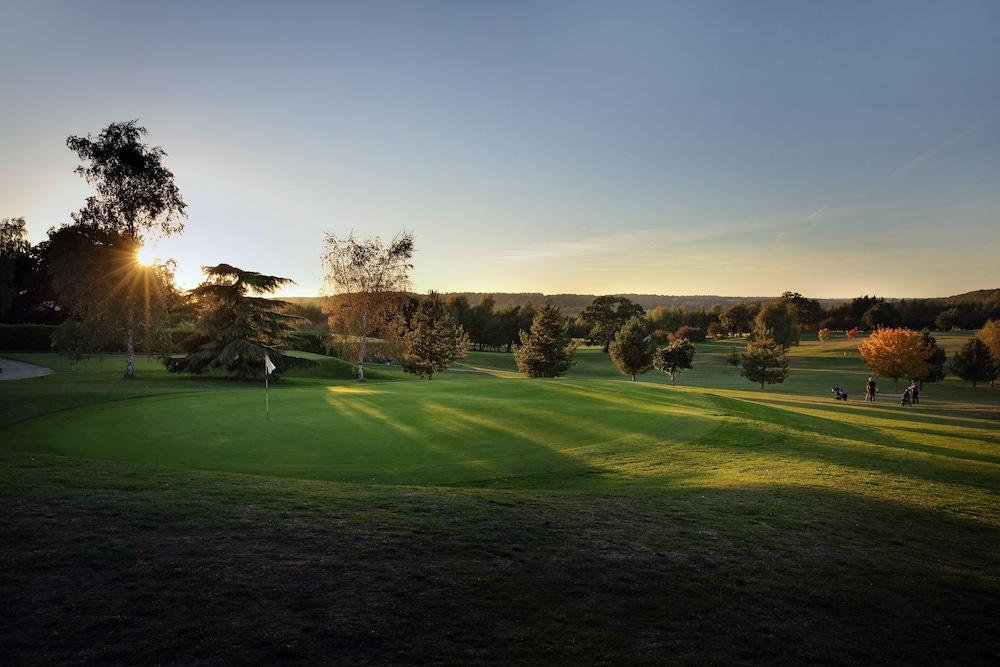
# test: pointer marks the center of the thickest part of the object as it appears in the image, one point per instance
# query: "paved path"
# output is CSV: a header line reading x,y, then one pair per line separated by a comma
x,y
19,370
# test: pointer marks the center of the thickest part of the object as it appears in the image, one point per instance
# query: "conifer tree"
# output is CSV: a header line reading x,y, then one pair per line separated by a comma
x,y
764,360
238,326
975,363
435,340
546,349
632,349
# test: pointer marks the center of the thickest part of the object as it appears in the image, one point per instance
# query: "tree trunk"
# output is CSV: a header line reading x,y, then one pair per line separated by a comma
x,y
130,351
673,382
633,377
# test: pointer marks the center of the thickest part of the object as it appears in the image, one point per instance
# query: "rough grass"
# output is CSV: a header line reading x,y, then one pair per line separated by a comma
x,y
481,518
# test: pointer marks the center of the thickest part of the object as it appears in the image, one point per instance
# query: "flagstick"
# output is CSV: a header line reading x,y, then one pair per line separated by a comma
x,y
267,398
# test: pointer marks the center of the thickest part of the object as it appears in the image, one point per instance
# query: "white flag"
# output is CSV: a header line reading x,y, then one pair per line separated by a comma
x,y
268,366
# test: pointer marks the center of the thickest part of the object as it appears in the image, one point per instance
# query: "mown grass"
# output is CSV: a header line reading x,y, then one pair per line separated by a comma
x,y
482,517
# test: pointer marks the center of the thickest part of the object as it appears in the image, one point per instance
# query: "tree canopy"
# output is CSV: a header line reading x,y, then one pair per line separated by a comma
x,y
546,349
764,360
632,349
368,279
435,339
777,318
237,326
896,353
975,363
606,315
674,358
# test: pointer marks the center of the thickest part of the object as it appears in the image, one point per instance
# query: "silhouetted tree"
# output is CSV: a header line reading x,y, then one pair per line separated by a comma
x,y
111,301
738,319
975,363
882,314
136,194
237,326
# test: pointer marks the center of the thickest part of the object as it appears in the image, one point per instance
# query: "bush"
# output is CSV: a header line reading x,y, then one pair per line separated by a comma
x,y
309,341
693,334
26,337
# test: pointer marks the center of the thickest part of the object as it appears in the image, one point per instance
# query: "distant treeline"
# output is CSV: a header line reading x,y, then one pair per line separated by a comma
x,y
496,325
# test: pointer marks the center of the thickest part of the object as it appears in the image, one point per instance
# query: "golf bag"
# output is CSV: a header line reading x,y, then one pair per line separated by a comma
x,y
839,394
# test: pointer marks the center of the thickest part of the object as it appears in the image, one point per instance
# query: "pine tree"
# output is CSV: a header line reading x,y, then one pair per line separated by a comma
x,y
975,363
435,340
546,349
674,358
764,360
632,349
238,327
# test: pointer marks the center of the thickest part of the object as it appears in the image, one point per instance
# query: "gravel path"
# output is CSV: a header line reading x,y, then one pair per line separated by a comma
x,y
19,370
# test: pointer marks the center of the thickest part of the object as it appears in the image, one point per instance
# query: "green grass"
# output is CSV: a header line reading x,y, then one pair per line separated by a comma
x,y
486,516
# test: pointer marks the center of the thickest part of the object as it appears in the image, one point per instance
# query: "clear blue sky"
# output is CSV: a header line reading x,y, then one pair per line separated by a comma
x,y
733,148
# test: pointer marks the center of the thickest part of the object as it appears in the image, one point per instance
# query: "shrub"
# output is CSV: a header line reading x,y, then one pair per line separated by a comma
x,y
26,337
694,334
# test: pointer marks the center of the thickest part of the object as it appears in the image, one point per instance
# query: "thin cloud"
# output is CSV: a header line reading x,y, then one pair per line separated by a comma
x,y
910,164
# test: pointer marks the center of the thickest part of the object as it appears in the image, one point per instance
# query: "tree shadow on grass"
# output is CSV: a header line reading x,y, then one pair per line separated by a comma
x,y
147,565
835,441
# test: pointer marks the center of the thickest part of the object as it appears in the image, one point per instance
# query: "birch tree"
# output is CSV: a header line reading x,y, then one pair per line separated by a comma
x,y
367,280
135,195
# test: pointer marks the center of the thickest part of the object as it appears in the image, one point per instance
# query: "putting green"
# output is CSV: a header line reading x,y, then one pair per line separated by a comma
x,y
468,431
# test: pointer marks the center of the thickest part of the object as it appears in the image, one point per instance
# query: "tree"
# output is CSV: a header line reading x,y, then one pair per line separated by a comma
x,y
716,331
14,247
674,358
369,280
738,319
111,301
695,334
631,349
975,362
881,314
895,353
238,326
807,312
990,334
778,318
546,349
136,194
935,359
435,340
606,315
823,335
764,360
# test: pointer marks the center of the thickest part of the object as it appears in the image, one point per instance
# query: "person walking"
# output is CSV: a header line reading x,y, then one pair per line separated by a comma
x,y
870,390
915,392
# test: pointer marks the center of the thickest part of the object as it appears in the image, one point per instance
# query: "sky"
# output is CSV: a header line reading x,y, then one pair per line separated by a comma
x,y
732,148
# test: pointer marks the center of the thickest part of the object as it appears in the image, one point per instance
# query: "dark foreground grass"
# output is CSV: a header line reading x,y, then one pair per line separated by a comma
x,y
586,520
117,563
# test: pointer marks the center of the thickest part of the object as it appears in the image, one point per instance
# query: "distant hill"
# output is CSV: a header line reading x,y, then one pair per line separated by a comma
x,y
975,296
572,304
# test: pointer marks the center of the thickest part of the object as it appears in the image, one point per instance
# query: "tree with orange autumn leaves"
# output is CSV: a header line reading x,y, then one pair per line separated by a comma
x,y
895,353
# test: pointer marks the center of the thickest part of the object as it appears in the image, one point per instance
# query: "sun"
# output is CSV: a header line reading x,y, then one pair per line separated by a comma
x,y
144,256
